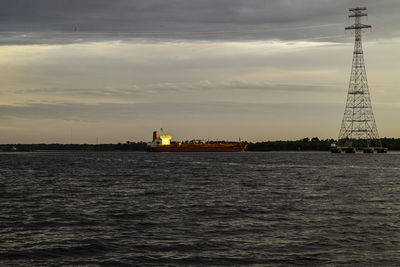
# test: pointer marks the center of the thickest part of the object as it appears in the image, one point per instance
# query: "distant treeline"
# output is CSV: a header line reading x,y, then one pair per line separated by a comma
x,y
128,146
311,144
300,145
391,143
303,144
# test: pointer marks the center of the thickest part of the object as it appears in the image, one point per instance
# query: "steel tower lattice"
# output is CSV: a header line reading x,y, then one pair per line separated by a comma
x,y
358,124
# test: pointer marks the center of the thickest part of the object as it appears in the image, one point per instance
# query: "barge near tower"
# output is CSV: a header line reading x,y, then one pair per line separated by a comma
x,y
163,143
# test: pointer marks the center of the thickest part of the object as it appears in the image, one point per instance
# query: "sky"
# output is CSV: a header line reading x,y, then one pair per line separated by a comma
x,y
114,71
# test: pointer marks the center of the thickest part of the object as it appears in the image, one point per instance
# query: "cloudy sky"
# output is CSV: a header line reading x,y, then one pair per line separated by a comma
x,y
78,70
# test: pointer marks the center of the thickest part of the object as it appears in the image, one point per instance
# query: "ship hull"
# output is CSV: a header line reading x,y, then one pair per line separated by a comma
x,y
198,148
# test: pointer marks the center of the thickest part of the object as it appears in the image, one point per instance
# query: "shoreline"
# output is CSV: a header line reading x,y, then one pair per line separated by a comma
x,y
305,144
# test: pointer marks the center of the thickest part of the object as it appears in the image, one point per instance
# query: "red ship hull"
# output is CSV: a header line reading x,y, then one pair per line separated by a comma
x,y
218,147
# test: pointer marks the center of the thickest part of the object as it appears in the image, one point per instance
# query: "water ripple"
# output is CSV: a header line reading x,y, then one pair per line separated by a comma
x,y
152,209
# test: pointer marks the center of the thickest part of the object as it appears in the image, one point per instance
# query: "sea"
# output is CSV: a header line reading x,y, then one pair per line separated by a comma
x,y
199,209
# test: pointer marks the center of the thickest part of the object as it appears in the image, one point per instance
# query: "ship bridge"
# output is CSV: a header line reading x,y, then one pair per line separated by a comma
x,y
165,140
162,140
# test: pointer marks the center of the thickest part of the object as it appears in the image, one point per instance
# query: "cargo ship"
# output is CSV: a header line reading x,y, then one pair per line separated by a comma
x,y
163,143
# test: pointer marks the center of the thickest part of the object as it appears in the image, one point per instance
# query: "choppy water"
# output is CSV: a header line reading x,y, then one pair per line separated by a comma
x,y
199,209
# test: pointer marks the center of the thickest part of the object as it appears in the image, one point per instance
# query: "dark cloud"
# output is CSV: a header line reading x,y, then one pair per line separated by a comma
x,y
170,19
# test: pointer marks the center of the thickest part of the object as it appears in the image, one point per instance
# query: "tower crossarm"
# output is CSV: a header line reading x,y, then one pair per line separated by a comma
x,y
357,9
358,26
358,14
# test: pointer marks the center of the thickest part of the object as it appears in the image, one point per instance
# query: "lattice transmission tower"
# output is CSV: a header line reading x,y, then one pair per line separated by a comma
x,y
358,125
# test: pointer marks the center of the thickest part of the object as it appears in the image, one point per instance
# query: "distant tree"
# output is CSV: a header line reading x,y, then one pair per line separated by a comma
x,y
315,139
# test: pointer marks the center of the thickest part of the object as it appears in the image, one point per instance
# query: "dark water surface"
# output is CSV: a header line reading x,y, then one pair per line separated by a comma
x,y
199,209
